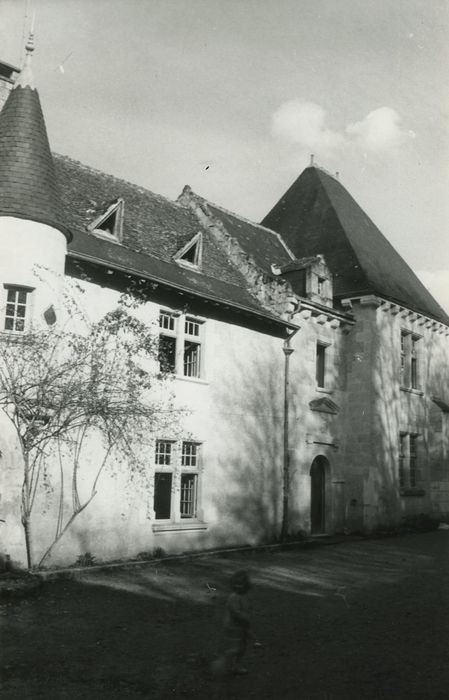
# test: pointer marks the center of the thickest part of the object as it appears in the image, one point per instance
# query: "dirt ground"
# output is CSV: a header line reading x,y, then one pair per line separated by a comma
x,y
353,621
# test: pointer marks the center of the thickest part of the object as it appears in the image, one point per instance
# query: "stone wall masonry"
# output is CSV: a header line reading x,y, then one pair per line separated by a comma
x,y
275,295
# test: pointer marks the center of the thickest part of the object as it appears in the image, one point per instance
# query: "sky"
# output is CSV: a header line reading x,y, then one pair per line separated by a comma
x,y
233,96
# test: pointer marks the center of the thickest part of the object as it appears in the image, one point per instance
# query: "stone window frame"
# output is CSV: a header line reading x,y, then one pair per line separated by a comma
x,y
410,478
325,373
184,467
184,336
410,360
20,323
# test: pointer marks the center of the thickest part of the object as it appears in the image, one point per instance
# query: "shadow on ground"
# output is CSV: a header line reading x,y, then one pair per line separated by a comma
x,y
353,621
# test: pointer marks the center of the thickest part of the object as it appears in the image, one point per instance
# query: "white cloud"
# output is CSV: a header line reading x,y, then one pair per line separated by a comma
x,y
437,282
379,131
304,123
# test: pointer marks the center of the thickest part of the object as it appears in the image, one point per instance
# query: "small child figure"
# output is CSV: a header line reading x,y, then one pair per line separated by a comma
x,y
237,626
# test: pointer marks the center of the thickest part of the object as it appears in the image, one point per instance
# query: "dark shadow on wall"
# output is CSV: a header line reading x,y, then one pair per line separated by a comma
x,y
398,411
249,405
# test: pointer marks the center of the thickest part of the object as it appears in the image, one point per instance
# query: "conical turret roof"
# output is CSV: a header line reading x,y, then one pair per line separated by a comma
x,y
28,187
317,215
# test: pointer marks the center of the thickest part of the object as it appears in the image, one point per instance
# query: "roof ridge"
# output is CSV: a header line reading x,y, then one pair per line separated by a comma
x,y
403,261
329,198
245,220
92,169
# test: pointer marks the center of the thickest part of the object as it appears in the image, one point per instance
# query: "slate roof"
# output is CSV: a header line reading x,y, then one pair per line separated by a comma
x,y
317,215
154,229
263,244
28,187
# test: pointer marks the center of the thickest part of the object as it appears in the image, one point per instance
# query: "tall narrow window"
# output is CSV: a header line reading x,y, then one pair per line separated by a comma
x,y
403,344
320,364
167,342
188,495
162,495
413,460
414,363
409,372
16,308
192,348
189,480
408,473
402,451
180,344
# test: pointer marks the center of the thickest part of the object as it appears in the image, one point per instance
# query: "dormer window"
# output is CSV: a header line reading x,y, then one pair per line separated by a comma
x,y
110,224
190,255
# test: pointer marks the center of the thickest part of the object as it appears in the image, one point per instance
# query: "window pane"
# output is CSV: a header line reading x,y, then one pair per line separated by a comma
x,y
167,353
192,327
413,460
167,321
191,359
414,373
401,460
162,496
15,309
163,452
189,454
188,495
320,364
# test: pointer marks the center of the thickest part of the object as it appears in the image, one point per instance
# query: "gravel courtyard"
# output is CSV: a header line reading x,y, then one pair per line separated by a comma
x,y
361,619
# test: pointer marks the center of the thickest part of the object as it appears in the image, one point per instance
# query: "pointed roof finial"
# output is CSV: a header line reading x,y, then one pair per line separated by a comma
x,y
26,78
312,159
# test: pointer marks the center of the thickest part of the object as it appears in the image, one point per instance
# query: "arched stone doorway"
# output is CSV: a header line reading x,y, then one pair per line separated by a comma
x,y
318,472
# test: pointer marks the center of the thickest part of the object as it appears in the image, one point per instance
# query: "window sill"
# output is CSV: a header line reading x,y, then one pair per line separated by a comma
x,y
412,492
185,526
409,390
194,380
323,390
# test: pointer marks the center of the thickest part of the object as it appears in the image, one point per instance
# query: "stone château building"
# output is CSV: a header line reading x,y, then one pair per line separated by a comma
x,y
303,342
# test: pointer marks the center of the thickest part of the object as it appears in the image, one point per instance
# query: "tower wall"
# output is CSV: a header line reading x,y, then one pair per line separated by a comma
x,y
32,255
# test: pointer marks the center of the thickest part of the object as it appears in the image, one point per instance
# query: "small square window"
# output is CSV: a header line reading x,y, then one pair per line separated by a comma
x,y
189,456
167,321
192,327
163,454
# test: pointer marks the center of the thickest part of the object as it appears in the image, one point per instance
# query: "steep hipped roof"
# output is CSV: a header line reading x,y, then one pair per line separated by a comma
x,y
318,215
28,188
154,230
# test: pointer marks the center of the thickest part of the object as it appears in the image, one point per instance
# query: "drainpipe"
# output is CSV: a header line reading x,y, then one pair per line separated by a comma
x,y
287,350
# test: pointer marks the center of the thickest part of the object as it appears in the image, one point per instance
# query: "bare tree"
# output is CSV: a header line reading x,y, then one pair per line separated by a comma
x,y
64,390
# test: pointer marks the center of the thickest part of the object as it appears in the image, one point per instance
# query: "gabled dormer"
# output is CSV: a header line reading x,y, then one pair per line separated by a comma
x,y
191,253
109,225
